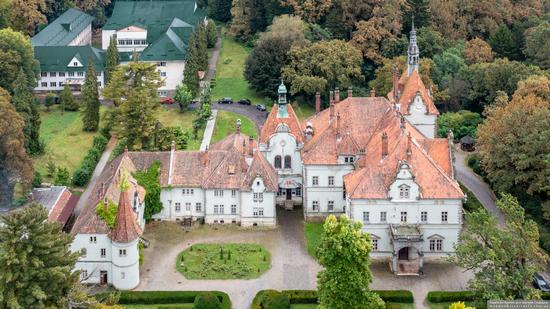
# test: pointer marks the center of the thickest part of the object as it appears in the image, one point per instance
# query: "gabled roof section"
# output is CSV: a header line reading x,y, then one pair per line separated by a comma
x,y
64,29
58,58
408,87
260,167
272,122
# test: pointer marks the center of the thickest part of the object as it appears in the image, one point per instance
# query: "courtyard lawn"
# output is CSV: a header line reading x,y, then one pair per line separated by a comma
x,y
171,117
66,143
313,233
230,81
226,123
223,261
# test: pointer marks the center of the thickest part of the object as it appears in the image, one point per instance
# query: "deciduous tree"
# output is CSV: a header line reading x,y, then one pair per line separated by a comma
x,y
16,54
36,265
309,10
503,258
183,96
344,253
462,123
16,165
220,10
322,65
26,15
68,102
90,100
476,51
537,45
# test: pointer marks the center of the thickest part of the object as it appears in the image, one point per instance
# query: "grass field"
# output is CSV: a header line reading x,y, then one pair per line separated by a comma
x,y
391,305
313,233
159,306
226,123
66,143
171,117
303,111
230,81
223,261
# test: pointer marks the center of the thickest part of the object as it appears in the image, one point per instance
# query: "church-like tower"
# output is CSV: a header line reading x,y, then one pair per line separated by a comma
x,y
413,54
282,111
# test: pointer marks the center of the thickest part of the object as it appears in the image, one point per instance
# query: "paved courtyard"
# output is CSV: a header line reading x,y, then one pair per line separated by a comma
x,y
292,267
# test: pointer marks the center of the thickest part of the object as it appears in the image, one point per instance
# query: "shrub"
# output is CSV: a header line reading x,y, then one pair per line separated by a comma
x,y
165,297
397,296
37,180
302,296
62,177
83,174
448,297
275,300
207,301
50,100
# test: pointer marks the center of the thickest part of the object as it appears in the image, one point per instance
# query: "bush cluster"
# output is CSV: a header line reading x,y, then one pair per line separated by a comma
x,y
83,174
448,297
207,301
170,297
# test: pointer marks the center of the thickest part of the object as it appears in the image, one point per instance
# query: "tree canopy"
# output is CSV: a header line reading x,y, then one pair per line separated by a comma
x,y
16,54
90,100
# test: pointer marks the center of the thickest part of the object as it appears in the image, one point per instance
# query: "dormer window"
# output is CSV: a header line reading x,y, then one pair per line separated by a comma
x,y
288,161
277,162
404,191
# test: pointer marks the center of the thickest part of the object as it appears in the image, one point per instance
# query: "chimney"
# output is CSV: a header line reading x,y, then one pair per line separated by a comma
x,y
331,111
317,102
336,95
384,145
250,146
350,92
331,97
338,126
373,93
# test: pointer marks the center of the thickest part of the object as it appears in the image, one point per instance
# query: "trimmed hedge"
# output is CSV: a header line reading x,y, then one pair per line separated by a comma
x,y
310,297
167,297
449,297
545,295
83,174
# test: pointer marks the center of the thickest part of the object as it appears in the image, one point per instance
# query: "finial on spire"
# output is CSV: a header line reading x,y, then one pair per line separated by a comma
x,y
413,54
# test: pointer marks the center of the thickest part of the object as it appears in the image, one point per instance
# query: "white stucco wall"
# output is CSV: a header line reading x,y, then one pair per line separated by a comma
x,y
418,116
93,262
106,38
63,79
229,197
174,75
125,267
172,195
267,204
323,192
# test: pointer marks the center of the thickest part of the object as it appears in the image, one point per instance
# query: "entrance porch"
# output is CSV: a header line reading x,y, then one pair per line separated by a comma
x,y
407,257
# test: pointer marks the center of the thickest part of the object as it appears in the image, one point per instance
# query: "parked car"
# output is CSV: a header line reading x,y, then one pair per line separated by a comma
x,y
244,102
225,101
167,101
261,107
540,283
192,102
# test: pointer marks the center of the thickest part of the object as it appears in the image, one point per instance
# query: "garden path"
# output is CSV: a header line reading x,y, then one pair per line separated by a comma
x,y
208,131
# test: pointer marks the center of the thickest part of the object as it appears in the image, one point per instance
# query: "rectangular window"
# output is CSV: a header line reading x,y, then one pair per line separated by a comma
x,y
315,180
255,211
222,211
75,64
218,192
178,207
260,212
383,216
187,206
93,239
403,216
53,84
331,180
98,74
198,207
233,209
216,209
61,74
71,74
83,274
346,159
315,205
122,252
53,74
98,84
436,244
122,275
80,74
162,74
161,64
233,193
258,197
424,216
61,84
44,84
44,74
103,252
374,244
330,206
298,191
366,217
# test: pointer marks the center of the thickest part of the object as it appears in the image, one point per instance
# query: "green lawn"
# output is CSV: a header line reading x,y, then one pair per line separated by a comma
x,y
171,117
240,261
472,203
392,305
160,306
303,111
313,233
226,123
66,143
230,80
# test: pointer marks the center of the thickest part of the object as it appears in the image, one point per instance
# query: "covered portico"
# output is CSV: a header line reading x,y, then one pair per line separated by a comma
x,y
290,191
407,241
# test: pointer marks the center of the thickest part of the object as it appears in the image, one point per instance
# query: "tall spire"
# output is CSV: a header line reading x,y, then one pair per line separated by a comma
x,y
413,54
282,111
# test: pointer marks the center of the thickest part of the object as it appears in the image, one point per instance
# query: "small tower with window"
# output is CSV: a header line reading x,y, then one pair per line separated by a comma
x,y
282,111
413,54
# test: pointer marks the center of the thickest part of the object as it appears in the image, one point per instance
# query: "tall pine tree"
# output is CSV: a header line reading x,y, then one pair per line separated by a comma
x,y
220,10
24,103
90,100
192,66
112,59
36,265
202,46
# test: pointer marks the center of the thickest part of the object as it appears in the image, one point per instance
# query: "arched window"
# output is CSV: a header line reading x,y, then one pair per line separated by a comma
x,y
277,162
288,162
404,191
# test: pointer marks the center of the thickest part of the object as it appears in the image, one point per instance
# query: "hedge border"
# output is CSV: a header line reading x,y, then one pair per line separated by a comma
x,y
166,297
83,174
450,296
310,296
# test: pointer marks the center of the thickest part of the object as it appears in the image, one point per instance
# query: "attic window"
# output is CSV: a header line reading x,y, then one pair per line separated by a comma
x,y
404,191
231,170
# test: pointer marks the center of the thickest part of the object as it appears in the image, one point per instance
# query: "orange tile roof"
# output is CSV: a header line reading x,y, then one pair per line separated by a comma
x,y
409,86
57,209
260,167
272,122
126,226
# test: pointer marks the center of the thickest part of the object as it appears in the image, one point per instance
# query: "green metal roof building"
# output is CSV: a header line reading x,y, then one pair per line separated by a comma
x,y
71,28
59,58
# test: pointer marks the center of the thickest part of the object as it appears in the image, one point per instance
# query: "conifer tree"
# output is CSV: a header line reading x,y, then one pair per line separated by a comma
x,y
25,105
190,77
112,59
36,265
202,46
90,100
68,102
211,33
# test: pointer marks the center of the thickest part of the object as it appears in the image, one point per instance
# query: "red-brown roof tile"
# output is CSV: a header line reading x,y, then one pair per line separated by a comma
x,y
126,227
272,122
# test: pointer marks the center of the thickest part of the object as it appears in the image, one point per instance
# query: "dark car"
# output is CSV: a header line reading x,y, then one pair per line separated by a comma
x,y
167,101
225,101
261,107
192,102
244,102
540,283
